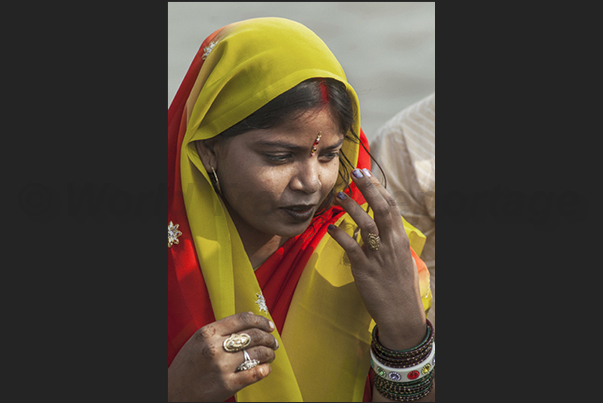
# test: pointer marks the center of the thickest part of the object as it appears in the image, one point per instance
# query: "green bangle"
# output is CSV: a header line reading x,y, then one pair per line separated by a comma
x,y
402,362
399,353
406,397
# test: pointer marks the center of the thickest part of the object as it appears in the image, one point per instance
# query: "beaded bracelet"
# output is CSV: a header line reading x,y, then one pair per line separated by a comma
x,y
406,397
427,386
404,374
402,358
429,336
401,362
397,392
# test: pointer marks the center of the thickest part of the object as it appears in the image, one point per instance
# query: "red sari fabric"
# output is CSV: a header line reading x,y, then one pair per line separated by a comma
x,y
189,305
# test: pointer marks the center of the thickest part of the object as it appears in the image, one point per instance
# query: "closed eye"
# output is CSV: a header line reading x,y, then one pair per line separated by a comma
x,y
329,156
278,157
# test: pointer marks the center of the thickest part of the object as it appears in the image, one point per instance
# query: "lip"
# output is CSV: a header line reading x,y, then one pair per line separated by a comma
x,y
300,213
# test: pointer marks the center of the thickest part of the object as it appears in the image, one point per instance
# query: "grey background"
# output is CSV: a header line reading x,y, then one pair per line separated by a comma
x,y
386,49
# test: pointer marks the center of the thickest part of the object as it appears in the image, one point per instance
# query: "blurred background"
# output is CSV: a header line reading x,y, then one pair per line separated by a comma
x,y
386,49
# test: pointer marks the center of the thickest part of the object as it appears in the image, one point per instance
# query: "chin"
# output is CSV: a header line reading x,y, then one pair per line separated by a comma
x,y
290,231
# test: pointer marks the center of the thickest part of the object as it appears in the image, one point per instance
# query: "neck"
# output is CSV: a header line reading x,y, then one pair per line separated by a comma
x,y
260,252
258,246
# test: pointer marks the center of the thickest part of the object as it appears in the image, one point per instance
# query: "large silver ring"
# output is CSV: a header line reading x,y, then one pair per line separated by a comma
x,y
248,363
236,342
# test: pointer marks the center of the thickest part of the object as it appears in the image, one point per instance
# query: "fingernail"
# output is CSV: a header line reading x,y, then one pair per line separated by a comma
x,y
331,227
367,172
271,325
341,196
276,343
357,174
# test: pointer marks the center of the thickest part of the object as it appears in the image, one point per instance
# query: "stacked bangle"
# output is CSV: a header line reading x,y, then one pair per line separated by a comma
x,y
407,374
407,387
404,375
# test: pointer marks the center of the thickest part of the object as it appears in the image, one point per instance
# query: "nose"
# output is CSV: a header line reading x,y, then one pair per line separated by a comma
x,y
307,177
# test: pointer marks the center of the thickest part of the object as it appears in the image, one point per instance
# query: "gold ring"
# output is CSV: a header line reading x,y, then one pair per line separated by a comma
x,y
236,342
373,241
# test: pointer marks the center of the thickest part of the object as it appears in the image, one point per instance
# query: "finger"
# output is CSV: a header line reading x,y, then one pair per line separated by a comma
x,y
352,248
243,321
241,379
261,353
393,205
261,338
378,202
384,192
361,217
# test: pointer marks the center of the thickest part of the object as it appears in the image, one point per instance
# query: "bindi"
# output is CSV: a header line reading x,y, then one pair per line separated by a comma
x,y
316,144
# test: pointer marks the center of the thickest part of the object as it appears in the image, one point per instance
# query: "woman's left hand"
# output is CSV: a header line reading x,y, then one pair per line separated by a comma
x,y
387,278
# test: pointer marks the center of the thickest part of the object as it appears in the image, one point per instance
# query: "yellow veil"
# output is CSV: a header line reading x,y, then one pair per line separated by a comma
x,y
326,337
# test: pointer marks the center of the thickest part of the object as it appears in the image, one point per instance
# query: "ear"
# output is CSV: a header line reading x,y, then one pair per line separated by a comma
x,y
205,149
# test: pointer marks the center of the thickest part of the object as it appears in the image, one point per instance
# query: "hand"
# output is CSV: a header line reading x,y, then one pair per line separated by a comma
x,y
387,279
203,371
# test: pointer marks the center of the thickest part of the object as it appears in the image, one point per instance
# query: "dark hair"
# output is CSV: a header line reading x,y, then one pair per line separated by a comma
x,y
308,95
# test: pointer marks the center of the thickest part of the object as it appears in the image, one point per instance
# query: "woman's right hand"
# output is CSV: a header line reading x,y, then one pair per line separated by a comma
x,y
203,371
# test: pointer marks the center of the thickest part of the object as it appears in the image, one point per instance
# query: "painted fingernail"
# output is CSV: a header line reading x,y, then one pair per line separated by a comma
x,y
331,227
341,196
367,172
357,174
276,343
271,325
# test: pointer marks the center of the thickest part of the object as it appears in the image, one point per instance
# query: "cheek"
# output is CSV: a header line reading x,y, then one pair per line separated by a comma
x,y
271,183
259,192
272,178
329,177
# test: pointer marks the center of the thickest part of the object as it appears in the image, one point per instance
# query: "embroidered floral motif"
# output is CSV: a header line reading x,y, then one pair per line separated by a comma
x,y
261,303
173,234
207,50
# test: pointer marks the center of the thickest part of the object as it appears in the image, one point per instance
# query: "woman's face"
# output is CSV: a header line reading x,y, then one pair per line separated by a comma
x,y
270,183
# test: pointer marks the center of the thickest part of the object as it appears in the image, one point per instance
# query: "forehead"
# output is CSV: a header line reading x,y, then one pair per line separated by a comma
x,y
303,127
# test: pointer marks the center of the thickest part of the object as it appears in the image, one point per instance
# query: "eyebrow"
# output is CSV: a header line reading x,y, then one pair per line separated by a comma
x,y
292,147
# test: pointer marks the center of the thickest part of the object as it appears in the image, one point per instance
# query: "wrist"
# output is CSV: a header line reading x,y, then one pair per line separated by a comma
x,y
402,336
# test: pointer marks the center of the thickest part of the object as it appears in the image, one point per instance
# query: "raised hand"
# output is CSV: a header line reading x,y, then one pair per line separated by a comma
x,y
384,270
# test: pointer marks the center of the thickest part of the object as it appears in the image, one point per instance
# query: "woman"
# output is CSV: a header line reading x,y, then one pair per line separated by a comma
x,y
278,269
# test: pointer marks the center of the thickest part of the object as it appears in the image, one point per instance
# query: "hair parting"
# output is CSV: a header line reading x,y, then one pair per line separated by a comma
x,y
324,92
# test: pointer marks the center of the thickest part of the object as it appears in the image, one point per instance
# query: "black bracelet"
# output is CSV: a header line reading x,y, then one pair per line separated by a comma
x,y
429,336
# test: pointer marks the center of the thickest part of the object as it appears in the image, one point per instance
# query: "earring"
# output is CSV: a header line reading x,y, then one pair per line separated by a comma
x,y
216,181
